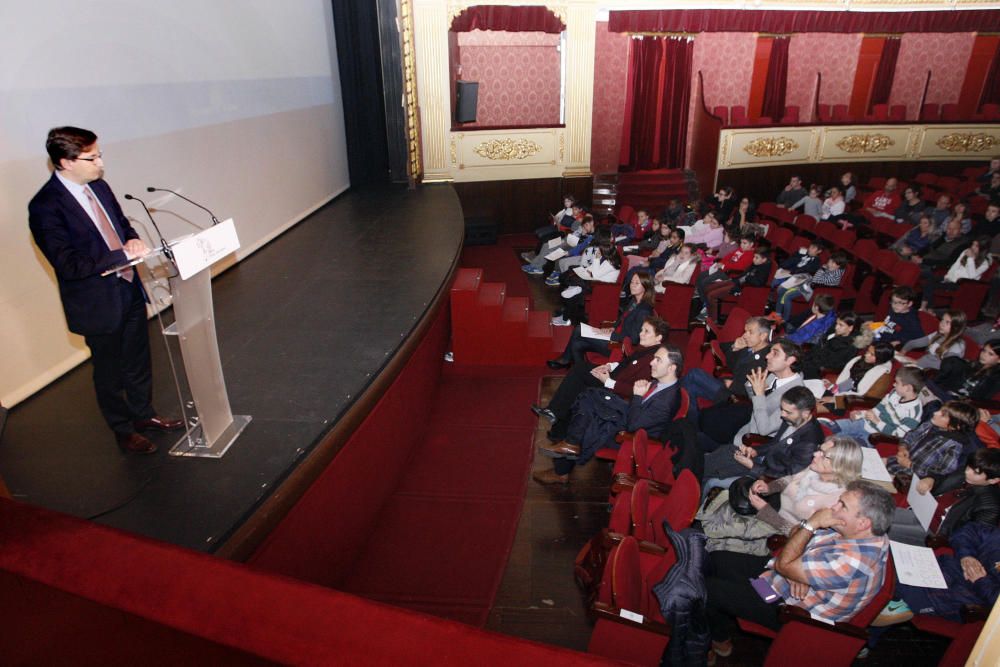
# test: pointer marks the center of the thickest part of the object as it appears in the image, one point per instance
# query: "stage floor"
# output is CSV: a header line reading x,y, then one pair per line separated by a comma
x,y
304,325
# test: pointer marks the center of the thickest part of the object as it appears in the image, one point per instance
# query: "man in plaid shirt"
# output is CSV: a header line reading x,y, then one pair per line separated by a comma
x,y
832,566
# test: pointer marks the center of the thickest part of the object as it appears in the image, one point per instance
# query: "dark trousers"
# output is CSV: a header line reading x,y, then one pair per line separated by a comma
x,y
730,595
578,347
123,375
576,380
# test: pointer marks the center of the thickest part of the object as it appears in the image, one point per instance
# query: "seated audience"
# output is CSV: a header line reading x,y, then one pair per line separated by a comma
x,y
863,375
615,376
811,203
789,450
755,275
678,269
738,260
723,202
977,501
935,448
599,415
912,208
830,274
832,566
639,307
834,465
978,380
947,341
898,413
814,324
710,235
806,260
917,240
725,423
971,264
791,194
834,350
990,191
574,244
742,356
902,324
943,251
668,243
834,206
883,203
942,211
847,186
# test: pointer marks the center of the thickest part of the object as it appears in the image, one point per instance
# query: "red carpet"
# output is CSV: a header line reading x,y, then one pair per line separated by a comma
x,y
500,262
441,542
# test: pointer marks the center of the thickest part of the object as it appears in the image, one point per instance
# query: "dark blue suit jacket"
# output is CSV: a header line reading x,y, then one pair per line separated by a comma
x,y
655,414
70,241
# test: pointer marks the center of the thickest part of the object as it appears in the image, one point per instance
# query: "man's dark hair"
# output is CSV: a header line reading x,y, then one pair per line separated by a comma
x,y
675,356
66,143
840,258
875,503
904,293
986,461
801,398
912,376
763,251
791,350
824,303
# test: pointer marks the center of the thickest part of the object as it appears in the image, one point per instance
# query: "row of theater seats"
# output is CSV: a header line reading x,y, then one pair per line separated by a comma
x,y
736,116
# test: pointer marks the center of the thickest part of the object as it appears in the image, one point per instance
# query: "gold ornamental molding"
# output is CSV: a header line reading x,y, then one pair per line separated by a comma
x,y
410,89
958,142
771,146
507,149
865,143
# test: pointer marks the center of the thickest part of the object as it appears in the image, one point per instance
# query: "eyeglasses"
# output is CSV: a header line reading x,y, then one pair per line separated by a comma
x,y
91,159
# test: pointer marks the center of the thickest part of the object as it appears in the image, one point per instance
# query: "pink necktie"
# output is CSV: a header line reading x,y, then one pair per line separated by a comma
x,y
107,231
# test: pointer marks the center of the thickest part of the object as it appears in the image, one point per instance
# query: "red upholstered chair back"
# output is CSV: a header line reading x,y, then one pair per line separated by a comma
x,y
930,113
640,451
806,223
840,112
626,576
639,506
733,328
823,113
692,351
928,322
949,112
685,405
906,273
791,115
722,113
679,507
739,116
620,520
990,111
897,112
880,112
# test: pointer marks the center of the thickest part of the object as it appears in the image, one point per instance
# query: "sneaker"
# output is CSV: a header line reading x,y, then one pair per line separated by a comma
x,y
897,611
532,270
702,317
553,279
560,321
863,654
449,357
527,256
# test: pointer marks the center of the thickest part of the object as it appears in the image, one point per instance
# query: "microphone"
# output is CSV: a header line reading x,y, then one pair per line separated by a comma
x,y
150,188
163,242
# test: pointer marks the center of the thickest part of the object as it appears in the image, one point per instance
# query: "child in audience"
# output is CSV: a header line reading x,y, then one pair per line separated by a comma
x,y
812,203
903,323
897,414
567,219
861,374
834,350
978,380
810,327
834,206
756,275
830,274
574,245
710,235
847,187
945,342
679,268
934,449
738,260
971,264
806,260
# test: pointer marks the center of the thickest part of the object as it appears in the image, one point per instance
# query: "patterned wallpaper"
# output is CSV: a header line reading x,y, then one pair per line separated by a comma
x,y
610,76
834,56
946,55
518,75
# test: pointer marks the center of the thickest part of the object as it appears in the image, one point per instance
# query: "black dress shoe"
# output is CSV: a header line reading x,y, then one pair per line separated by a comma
x,y
556,364
544,412
135,443
159,423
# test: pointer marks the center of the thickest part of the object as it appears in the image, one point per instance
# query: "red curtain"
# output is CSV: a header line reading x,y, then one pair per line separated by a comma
x,y
656,127
760,20
777,77
504,17
991,88
882,85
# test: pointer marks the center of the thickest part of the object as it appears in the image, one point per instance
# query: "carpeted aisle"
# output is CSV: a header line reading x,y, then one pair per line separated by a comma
x,y
442,540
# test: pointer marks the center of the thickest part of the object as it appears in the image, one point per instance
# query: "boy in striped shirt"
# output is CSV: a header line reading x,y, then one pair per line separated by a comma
x,y
897,414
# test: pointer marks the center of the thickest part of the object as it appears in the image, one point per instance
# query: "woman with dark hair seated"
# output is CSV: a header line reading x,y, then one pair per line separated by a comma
x,y
978,380
618,377
863,375
835,349
935,449
639,307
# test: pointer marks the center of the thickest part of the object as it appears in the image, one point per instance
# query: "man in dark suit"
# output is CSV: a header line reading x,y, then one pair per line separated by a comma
x,y
652,407
80,228
786,453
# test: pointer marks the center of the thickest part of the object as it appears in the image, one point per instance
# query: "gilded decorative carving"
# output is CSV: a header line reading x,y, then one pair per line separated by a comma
x,y
958,142
771,146
410,89
562,147
454,156
507,149
865,143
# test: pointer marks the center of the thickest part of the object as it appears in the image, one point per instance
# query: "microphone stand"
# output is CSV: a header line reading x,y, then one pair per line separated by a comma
x,y
163,242
215,220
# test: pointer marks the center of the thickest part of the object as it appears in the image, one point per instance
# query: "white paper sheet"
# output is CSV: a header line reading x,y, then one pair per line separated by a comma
x,y
916,566
872,467
558,253
554,243
588,331
572,240
923,506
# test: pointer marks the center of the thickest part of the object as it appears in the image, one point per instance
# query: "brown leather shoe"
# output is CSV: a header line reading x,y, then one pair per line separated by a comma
x,y
549,476
133,442
159,423
560,450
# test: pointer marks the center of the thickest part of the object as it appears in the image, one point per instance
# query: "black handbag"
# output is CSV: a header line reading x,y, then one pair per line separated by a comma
x,y
739,497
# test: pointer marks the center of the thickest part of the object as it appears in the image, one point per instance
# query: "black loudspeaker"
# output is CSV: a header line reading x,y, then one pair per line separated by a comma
x,y
466,98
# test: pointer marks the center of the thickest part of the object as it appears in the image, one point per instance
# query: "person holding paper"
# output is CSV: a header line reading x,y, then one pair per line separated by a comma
x,y
639,307
80,228
833,565
972,575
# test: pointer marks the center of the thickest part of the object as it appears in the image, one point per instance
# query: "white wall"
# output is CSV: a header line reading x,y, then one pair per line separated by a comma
x,y
235,103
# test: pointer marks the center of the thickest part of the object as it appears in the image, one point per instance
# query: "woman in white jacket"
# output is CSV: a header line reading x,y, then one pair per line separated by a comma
x,y
861,373
972,264
678,268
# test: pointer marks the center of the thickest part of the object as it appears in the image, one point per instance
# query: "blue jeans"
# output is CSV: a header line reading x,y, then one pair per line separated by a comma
x,y
854,428
700,384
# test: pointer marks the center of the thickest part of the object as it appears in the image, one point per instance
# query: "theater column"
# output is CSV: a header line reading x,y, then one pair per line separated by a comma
x,y
581,33
430,39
